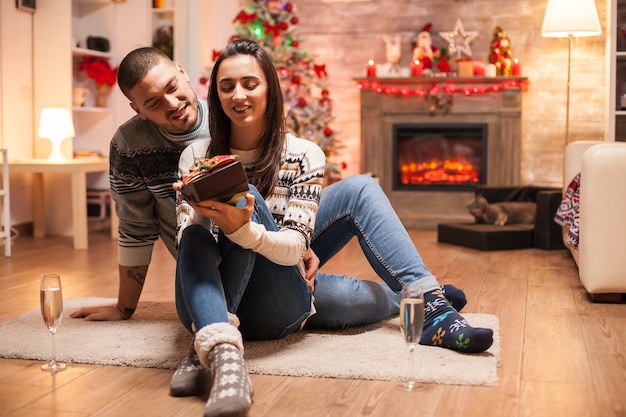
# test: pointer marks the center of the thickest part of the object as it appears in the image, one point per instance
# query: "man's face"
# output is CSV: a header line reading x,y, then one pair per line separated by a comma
x,y
165,98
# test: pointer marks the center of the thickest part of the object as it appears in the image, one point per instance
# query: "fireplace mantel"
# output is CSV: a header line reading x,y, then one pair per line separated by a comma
x,y
481,84
389,101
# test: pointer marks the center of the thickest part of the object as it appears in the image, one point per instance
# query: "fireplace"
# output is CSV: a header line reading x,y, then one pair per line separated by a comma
x,y
439,156
484,131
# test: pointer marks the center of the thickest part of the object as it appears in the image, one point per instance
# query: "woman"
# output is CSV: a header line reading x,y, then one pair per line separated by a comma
x,y
258,259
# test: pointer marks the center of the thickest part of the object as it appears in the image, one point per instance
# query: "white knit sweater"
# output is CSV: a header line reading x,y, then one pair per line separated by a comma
x,y
293,202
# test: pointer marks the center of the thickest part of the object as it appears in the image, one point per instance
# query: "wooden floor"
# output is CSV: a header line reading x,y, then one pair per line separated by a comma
x,y
561,354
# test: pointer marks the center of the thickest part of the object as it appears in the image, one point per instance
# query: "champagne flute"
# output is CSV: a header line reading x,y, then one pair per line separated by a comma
x,y
51,300
411,323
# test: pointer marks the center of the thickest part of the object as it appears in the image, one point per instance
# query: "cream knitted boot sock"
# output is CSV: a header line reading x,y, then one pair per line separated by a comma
x,y
220,349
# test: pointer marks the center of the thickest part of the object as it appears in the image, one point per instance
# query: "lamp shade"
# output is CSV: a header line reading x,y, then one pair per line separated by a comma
x,y
575,18
56,125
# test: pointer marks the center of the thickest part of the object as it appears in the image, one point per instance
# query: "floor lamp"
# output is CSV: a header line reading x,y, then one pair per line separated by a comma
x,y
570,19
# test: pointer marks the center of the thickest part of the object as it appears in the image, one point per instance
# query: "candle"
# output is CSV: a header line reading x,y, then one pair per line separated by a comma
x,y
516,68
371,68
479,68
490,70
416,68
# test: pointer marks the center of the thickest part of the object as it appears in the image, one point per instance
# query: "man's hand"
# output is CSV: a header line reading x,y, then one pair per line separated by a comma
x,y
311,266
102,313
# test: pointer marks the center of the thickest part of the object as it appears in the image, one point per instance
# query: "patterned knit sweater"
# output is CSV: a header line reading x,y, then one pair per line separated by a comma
x,y
293,202
143,166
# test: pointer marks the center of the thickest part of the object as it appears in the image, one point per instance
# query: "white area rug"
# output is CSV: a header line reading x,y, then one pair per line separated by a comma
x,y
154,338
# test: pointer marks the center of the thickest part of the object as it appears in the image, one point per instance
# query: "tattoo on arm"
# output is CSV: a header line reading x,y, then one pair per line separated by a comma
x,y
126,311
131,284
139,277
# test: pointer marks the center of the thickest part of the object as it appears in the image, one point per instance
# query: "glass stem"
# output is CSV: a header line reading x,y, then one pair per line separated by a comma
x,y
54,354
411,381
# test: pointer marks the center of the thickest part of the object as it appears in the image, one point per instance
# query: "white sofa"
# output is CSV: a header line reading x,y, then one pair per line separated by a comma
x,y
601,256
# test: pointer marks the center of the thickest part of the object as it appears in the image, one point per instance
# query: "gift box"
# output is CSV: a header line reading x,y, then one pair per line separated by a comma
x,y
226,182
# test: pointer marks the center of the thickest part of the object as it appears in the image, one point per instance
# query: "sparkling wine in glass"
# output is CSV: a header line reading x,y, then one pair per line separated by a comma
x,y
51,300
411,324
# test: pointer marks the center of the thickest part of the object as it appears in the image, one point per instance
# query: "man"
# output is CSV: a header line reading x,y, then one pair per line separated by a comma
x,y
143,156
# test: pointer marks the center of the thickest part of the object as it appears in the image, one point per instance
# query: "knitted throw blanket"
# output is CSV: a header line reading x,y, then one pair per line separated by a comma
x,y
568,213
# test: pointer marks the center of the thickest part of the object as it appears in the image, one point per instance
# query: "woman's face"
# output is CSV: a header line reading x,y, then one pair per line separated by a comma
x,y
242,90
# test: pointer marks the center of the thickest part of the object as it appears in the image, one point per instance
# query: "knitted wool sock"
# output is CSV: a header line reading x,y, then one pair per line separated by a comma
x,y
445,327
231,394
220,347
455,296
190,378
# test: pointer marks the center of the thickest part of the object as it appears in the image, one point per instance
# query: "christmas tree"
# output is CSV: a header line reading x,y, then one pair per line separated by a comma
x,y
272,24
500,52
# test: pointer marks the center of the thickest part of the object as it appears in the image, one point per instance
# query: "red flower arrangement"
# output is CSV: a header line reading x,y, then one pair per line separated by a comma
x,y
99,70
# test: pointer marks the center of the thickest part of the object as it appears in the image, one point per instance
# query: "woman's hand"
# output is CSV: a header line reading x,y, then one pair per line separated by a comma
x,y
311,266
227,217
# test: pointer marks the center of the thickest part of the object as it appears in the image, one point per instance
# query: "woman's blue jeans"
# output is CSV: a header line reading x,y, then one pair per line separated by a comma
x,y
214,278
272,301
357,207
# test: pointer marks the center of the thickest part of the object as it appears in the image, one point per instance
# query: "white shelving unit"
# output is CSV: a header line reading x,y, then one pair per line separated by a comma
x,y
94,125
164,17
5,232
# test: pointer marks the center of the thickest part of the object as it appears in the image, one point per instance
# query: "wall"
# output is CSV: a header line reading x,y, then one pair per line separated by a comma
x,y
16,98
345,34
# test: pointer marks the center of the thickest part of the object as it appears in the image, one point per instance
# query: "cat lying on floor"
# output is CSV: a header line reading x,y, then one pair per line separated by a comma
x,y
505,212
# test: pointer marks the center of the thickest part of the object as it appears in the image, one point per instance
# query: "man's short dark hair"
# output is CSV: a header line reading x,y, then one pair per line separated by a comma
x,y
136,65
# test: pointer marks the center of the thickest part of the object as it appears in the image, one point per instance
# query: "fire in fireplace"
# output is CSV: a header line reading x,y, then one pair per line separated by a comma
x,y
439,156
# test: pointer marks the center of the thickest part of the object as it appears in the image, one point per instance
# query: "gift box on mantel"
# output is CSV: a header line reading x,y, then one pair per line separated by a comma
x,y
464,68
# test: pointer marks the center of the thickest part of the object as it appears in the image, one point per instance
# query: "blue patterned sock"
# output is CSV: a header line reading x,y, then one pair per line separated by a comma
x,y
455,296
445,327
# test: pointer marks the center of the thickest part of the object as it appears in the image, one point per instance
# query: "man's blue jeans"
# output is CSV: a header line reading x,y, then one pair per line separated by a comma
x,y
272,301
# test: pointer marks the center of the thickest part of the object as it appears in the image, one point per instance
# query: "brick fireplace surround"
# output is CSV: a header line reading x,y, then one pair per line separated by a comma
x,y
499,110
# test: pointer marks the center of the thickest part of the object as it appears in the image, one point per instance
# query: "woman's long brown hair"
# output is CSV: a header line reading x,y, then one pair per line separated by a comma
x,y
272,141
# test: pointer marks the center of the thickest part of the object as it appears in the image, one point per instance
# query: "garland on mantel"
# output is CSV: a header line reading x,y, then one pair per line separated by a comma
x,y
439,94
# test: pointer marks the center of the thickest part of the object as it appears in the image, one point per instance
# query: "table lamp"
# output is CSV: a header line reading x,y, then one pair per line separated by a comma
x,y
570,19
55,124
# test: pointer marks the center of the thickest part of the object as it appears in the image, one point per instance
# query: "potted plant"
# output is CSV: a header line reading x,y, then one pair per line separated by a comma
x,y
103,74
